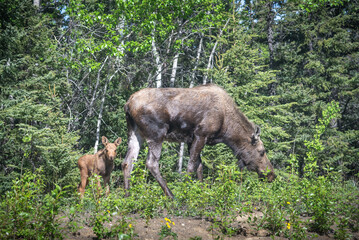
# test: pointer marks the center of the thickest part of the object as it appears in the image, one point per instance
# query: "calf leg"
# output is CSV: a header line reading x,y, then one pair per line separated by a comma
x,y
83,183
154,153
195,162
134,144
106,181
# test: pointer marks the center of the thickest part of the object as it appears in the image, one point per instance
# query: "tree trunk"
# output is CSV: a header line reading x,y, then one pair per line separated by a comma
x,y
180,159
174,70
36,3
270,19
209,65
199,51
158,63
99,119
121,48
94,94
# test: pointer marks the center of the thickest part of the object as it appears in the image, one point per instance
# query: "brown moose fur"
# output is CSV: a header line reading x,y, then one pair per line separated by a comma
x,y
100,163
198,116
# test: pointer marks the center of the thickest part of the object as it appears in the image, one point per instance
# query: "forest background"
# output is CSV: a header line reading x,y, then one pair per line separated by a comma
x,y
68,67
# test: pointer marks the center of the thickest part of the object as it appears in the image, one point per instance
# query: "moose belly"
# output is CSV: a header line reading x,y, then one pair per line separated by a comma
x,y
180,131
178,136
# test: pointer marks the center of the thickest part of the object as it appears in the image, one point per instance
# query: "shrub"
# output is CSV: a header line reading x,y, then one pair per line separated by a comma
x,y
27,213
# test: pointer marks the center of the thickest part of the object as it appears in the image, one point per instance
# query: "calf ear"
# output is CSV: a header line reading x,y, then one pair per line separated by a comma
x,y
104,140
255,135
118,141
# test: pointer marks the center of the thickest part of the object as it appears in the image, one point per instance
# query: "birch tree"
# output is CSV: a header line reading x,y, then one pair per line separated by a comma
x,y
211,55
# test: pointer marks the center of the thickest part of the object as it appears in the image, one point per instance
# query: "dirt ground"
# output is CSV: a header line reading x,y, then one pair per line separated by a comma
x,y
187,228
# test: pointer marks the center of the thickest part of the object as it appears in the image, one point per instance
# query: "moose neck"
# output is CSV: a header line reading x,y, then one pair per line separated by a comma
x,y
238,133
101,155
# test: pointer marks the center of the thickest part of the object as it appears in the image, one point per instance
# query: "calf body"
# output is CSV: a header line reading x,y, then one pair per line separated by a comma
x,y
100,163
198,116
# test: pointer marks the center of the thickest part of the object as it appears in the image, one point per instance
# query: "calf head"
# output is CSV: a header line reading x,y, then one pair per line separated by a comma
x,y
110,148
254,157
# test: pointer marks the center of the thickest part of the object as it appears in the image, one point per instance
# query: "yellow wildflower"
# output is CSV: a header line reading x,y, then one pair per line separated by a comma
x,y
108,211
168,220
288,202
288,225
130,225
168,225
99,202
173,223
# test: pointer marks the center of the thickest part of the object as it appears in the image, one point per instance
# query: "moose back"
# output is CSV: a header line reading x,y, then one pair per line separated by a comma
x,y
197,116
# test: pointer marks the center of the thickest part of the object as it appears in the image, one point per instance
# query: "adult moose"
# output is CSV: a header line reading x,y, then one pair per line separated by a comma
x,y
202,115
100,163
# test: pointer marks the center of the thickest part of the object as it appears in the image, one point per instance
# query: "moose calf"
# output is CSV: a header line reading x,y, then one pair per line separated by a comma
x,y
100,163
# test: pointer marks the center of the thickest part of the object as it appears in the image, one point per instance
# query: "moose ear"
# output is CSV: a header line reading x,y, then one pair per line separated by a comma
x,y
104,140
118,141
255,135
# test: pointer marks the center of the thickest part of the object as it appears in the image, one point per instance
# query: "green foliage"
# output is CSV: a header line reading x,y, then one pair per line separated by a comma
x,y
315,146
27,213
313,5
33,126
225,199
103,211
59,61
73,213
319,204
342,232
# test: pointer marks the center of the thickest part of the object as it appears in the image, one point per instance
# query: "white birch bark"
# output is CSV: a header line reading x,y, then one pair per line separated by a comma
x,y
174,70
99,119
90,105
95,90
210,59
158,63
175,61
180,159
199,51
120,49
36,3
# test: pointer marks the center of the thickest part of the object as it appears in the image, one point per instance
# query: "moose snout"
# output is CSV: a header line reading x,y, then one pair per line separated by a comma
x,y
270,176
111,156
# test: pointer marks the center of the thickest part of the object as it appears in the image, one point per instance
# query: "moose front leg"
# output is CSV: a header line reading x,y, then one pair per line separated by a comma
x,y
106,181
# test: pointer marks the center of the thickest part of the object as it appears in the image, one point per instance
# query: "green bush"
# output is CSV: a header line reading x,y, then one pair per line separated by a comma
x,y
26,212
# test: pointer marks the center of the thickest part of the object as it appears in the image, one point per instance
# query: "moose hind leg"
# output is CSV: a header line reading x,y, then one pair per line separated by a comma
x,y
154,153
195,162
200,169
134,144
